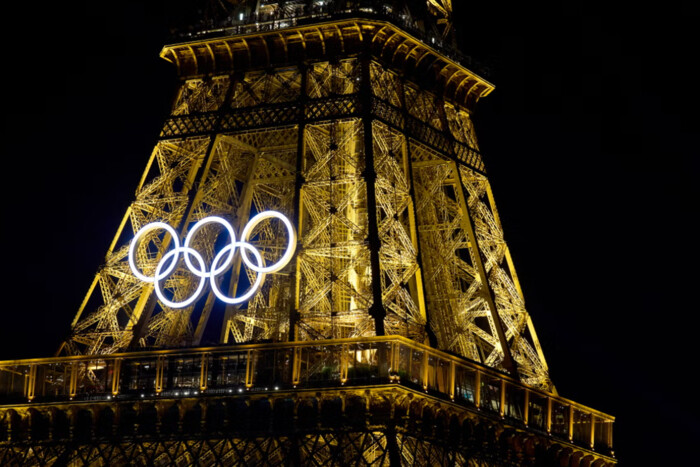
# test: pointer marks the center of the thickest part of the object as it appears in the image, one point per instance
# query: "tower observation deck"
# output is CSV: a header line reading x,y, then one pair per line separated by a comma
x,y
313,270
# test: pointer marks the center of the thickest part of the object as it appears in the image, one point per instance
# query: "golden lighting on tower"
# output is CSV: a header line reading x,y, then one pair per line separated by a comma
x,y
442,9
318,199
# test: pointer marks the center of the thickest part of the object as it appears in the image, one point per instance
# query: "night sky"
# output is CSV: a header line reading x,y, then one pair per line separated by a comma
x,y
589,141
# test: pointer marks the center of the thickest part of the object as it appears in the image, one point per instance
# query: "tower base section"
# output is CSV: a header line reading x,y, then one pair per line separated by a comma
x,y
379,425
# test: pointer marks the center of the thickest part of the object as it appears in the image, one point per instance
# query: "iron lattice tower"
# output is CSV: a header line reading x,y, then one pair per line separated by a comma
x,y
354,120
362,134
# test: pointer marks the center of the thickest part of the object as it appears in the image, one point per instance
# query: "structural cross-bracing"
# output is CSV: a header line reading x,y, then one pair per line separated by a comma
x,y
395,332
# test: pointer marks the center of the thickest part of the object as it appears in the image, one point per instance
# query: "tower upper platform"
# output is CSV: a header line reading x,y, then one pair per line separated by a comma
x,y
428,20
406,38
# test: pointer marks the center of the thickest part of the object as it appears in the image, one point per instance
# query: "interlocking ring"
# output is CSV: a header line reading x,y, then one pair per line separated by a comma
x,y
222,260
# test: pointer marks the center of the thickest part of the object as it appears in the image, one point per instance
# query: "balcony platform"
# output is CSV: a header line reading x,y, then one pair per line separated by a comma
x,y
404,397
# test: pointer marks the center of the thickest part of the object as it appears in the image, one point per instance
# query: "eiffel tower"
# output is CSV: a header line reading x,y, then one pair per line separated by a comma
x,y
373,315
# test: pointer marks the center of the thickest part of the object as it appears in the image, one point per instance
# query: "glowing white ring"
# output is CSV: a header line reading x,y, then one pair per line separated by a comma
x,y
253,287
162,271
190,236
135,242
159,276
292,240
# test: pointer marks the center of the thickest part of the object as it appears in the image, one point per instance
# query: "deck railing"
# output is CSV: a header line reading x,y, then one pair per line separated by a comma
x,y
269,367
303,14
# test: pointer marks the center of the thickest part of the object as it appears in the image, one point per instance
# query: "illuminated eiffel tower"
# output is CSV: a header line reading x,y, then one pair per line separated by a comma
x,y
390,328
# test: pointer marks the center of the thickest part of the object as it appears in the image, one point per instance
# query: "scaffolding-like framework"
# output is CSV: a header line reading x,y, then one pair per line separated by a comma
x,y
396,335
362,135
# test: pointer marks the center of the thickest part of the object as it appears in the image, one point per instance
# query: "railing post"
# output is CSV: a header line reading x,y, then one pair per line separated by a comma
x,y
571,423
296,366
116,375
160,370
249,370
452,382
502,408
424,370
394,353
526,413
549,416
592,431
31,382
344,350
204,372
477,390
73,385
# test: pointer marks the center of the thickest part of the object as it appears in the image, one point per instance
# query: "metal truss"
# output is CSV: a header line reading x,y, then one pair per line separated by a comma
x,y
325,426
333,264
398,230
327,449
358,449
443,10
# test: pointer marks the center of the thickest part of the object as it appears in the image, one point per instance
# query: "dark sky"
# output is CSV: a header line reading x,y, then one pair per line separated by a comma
x,y
589,140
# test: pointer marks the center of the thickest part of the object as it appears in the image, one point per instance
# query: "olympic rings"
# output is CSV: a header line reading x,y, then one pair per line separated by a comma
x,y
222,260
